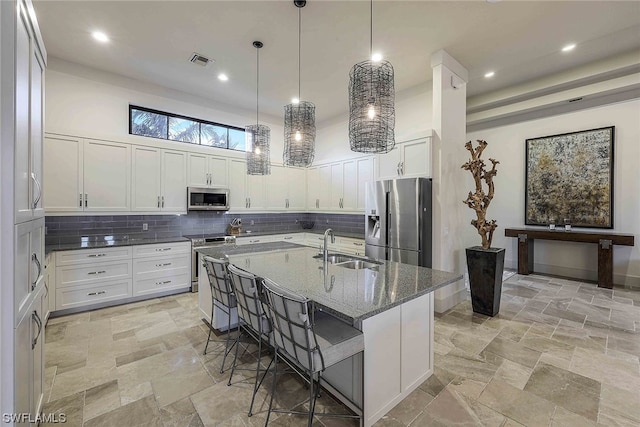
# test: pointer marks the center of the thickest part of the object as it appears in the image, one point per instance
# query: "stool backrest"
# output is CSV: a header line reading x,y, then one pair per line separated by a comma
x,y
248,298
221,289
293,333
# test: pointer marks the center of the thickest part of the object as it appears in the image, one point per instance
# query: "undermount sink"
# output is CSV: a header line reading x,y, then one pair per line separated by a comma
x,y
358,264
348,261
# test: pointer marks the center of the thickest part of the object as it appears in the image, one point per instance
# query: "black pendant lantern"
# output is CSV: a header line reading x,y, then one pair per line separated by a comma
x,y
258,137
299,120
372,116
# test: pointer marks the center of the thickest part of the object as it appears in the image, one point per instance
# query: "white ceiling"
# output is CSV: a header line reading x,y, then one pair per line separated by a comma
x,y
153,40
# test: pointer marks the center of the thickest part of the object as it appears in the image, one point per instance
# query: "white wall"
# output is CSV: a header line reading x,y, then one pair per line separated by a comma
x,y
507,144
86,102
413,120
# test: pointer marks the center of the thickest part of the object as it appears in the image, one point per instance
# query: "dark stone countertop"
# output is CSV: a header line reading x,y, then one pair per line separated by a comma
x,y
353,295
91,242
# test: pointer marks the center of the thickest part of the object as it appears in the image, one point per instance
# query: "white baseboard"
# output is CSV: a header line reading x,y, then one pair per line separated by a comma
x,y
577,273
449,296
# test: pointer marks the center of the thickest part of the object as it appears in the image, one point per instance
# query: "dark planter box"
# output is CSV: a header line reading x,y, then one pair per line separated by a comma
x,y
485,268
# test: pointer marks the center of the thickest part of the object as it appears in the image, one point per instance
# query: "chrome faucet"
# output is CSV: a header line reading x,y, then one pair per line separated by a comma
x,y
325,249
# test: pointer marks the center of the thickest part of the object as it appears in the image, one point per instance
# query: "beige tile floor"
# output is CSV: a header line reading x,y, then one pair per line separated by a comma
x,y
560,353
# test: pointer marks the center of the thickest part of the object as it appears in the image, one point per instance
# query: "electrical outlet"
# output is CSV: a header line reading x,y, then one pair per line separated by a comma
x,y
327,221
145,227
253,222
296,220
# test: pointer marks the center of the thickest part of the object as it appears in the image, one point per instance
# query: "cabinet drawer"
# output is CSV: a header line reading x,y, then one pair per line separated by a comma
x,y
85,256
350,242
154,267
164,283
72,275
79,296
161,249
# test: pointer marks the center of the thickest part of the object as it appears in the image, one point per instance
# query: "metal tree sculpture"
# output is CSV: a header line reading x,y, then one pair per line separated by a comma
x,y
479,201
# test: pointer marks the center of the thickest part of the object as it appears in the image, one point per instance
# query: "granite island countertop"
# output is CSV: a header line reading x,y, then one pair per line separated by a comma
x,y
351,294
108,241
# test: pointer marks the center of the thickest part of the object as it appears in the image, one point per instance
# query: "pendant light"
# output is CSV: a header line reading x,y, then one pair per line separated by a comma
x,y
258,136
372,114
299,120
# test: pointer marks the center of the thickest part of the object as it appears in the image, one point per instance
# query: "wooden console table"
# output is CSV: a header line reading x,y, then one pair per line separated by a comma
x,y
605,243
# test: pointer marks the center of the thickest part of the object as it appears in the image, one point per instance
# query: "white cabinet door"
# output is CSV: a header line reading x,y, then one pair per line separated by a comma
x,y
218,172
22,196
297,184
324,187
238,185
416,160
337,180
22,368
37,132
107,167
349,185
22,268
198,170
173,194
389,163
256,191
313,177
365,174
37,349
277,188
63,190
145,191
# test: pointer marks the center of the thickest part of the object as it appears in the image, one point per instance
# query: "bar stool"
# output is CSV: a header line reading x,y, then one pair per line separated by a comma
x,y
222,293
252,320
307,341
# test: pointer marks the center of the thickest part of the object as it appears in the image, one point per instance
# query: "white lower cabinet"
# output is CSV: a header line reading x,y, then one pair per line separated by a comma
x,y
86,277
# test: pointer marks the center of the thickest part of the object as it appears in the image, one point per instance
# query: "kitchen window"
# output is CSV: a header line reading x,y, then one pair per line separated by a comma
x,y
174,127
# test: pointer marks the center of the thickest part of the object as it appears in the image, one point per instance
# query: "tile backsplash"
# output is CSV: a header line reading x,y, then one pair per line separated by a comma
x,y
61,229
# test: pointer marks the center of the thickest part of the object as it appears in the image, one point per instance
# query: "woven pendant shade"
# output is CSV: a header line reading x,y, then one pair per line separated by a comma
x,y
258,154
372,116
299,119
258,137
299,134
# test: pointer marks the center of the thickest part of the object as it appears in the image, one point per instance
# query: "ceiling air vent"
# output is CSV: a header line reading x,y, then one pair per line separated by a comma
x,y
196,58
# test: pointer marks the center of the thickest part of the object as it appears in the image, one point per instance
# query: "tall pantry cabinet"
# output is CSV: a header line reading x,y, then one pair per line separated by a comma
x,y
23,287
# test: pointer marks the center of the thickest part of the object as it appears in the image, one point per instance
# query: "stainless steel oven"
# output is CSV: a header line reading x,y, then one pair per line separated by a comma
x,y
204,242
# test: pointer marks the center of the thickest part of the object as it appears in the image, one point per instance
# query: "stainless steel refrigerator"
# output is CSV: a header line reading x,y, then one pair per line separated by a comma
x,y
398,220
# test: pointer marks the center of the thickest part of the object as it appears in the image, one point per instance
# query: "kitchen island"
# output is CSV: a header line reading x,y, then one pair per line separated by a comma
x,y
391,303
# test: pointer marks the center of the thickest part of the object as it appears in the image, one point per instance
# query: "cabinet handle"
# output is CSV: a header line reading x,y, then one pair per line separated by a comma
x,y
246,202
249,202
36,318
163,201
97,272
37,183
46,288
158,201
85,200
34,258
163,283
357,244
318,203
96,293
254,241
162,249
288,238
163,265
96,255
80,198
402,167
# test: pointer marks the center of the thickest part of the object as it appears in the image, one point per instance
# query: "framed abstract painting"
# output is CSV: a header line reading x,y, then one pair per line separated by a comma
x,y
569,177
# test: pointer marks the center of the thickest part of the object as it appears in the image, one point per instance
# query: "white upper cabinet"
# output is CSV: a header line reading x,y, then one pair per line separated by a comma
x,y
29,83
238,199
107,166
159,180
63,176
319,188
286,188
207,171
406,160
340,186
365,174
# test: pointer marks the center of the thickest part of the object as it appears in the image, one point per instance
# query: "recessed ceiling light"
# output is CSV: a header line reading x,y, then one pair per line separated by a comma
x,y
376,57
295,101
569,47
489,74
223,77
100,36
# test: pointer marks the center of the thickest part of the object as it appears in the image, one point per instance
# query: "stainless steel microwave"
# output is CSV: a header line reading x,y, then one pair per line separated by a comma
x,y
207,199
